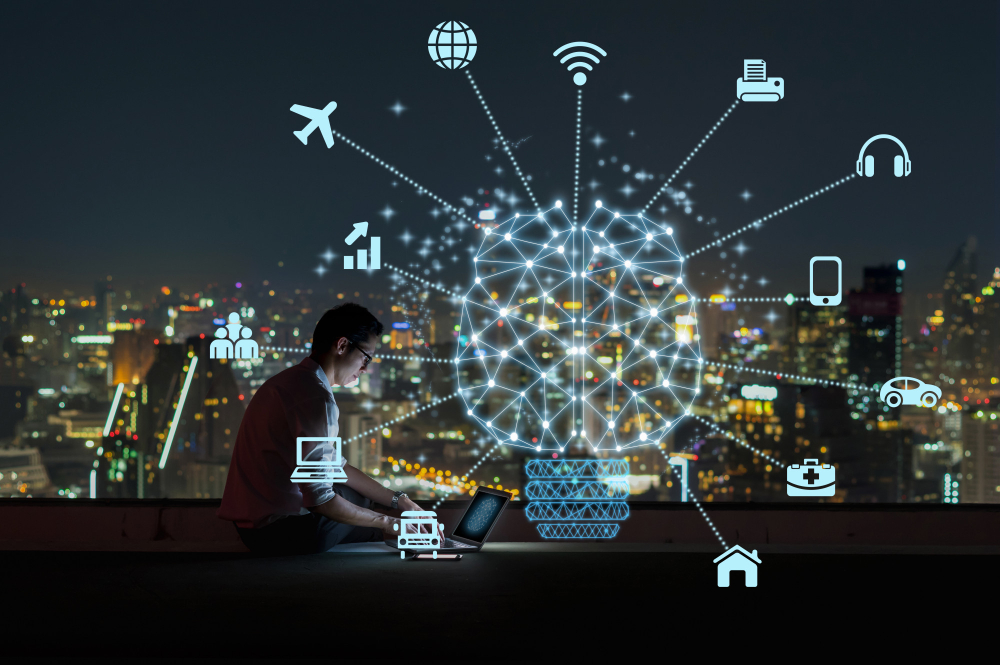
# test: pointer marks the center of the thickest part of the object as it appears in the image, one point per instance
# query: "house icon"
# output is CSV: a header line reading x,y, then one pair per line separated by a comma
x,y
737,558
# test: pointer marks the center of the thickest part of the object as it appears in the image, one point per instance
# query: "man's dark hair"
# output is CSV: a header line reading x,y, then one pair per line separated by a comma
x,y
349,320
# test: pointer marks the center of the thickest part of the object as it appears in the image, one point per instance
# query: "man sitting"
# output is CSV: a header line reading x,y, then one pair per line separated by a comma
x,y
274,515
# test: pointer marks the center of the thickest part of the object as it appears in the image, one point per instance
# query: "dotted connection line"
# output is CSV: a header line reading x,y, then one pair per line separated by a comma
x,y
576,167
422,359
503,141
711,525
757,223
741,441
392,169
465,477
688,158
797,377
789,299
423,281
435,402
387,356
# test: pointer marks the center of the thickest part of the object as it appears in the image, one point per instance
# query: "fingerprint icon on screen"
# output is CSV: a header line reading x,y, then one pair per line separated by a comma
x,y
481,516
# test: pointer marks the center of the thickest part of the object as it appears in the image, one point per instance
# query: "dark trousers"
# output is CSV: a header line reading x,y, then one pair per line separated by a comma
x,y
310,534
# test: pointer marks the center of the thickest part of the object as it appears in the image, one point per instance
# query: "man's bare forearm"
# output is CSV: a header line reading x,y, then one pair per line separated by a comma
x,y
367,487
341,510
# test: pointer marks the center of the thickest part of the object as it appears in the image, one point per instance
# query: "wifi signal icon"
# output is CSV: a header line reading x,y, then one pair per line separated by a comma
x,y
580,78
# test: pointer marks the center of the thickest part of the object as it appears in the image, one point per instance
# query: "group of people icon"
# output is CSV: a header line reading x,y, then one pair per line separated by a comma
x,y
233,341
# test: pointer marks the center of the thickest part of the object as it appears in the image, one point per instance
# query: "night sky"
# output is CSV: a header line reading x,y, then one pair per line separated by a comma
x,y
153,141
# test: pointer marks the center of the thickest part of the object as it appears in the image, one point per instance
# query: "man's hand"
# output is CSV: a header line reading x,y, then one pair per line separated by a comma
x,y
390,526
406,503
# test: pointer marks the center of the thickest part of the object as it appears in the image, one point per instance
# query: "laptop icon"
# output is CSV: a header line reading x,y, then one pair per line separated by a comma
x,y
318,470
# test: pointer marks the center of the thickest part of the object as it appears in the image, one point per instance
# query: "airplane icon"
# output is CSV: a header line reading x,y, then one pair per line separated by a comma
x,y
319,119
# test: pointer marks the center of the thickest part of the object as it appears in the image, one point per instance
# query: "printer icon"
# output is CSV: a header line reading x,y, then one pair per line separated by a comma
x,y
811,479
755,86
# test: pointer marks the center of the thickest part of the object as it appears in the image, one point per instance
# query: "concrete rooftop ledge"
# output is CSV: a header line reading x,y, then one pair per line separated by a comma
x,y
190,525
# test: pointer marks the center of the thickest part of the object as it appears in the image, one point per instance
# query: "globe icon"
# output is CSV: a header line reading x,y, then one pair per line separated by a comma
x,y
452,45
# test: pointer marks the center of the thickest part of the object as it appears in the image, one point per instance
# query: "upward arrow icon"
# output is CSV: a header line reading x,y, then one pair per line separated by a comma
x,y
360,229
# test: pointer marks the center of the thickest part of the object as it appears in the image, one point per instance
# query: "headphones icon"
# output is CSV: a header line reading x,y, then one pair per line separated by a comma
x,y
900,164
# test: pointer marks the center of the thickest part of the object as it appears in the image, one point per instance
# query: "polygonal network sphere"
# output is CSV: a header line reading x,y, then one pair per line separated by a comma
x,y
580,335
452,45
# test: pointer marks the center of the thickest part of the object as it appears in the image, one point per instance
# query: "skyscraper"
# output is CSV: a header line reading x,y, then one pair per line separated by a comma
x,y
876,326
817,341
105,295
960,323
981,460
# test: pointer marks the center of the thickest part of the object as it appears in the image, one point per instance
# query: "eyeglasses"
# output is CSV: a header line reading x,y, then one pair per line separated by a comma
x,y
368,358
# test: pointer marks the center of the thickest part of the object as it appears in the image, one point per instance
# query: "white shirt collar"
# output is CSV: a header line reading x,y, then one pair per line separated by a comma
x,y
316,367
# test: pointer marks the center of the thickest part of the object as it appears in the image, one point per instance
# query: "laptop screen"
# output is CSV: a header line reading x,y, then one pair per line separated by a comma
x,y
480,516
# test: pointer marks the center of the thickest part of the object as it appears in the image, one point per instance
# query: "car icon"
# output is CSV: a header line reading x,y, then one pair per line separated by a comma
x,y
907,390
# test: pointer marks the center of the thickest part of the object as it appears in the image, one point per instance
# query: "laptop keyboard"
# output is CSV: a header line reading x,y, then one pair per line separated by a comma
x,y
448,542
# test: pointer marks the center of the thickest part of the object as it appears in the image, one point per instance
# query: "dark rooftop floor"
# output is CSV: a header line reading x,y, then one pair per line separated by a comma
x,y
511,601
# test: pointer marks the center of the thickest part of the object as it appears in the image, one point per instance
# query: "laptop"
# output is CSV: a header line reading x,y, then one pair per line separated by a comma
x,y
311,471
476,524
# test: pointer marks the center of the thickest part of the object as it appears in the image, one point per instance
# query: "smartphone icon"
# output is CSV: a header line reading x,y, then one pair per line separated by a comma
x,y
824,289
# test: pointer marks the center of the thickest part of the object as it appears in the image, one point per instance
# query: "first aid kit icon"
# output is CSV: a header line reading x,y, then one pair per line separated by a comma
x,y
811,479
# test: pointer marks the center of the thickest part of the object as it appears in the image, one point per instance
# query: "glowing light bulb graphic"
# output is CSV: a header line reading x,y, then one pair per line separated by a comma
x,y
578,338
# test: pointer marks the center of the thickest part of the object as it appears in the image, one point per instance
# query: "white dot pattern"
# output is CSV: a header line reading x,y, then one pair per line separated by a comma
x,y
503,141
757,223
392,169
692,154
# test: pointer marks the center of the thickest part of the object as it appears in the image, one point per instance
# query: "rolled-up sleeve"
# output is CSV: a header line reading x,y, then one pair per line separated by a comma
x,y
317,418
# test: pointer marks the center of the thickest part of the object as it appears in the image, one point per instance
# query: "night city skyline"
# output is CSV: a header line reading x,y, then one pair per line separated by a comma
x,y
456,326
158,187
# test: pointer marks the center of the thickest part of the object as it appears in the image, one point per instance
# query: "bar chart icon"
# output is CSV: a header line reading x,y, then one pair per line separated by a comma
x,y
366,259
